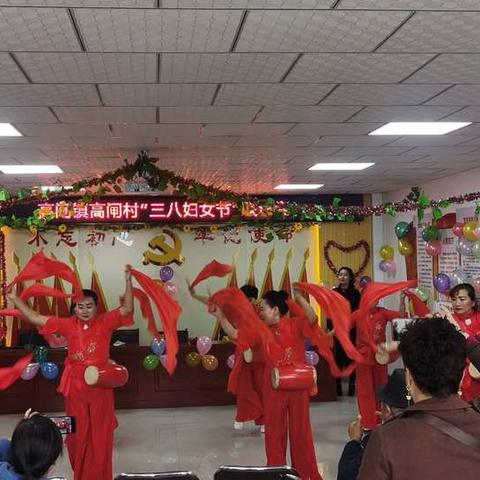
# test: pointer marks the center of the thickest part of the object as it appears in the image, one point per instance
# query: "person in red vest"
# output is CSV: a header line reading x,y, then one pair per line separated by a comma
x,y
88,335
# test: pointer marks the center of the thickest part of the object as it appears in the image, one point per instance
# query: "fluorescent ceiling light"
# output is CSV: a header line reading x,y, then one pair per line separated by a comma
x,y
54,188
341,166
29,169
419,128
299,186
7,130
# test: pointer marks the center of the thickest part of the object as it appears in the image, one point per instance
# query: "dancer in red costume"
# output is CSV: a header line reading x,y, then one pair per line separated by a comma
x,y
88,336
372,374
467,319
249,384
286,411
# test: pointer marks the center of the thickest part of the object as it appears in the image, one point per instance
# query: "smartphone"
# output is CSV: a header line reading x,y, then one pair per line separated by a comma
x,y
65,424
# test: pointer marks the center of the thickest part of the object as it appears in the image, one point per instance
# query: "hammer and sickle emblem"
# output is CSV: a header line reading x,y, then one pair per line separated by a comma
x,y
170,254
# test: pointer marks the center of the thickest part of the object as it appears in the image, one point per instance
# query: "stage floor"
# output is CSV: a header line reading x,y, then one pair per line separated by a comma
x,y
202,438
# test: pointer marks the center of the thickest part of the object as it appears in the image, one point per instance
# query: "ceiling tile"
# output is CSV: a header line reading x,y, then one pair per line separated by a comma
x,y
35,142
156,130
207,114
48,95
316,31
130,30
250,4
26,114
436,32
382,94
275,141
9,72
89,67
306,114
155,94
95,143
458,95
271,94
354,141
37,29
468,114
202,142
261,129
411,4
373,151
82,3
439,151
92,115
402,114
431,140
60,130
224,67
356,67
319,129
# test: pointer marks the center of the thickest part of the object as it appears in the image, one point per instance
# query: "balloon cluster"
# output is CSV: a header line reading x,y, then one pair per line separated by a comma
x,y
387,264
402,229
311,357
169,285
468,238
49,370
157,357
201,356
443,282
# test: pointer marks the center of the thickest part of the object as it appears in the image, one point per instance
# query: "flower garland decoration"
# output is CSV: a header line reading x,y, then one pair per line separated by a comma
x,y
360,244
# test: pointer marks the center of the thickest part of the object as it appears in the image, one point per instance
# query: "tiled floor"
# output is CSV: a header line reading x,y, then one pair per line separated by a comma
x,y
201,439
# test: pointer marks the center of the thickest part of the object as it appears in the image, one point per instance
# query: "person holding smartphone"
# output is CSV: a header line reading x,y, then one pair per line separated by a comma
x,y
88,335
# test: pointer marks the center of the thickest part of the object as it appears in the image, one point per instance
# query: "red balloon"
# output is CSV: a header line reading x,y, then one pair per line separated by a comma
x,y
433,248
447,221
457,229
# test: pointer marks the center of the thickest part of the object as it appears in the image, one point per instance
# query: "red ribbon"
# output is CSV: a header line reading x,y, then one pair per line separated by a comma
x,y
40,267
41,290
213,269
9,375
419,308
169,311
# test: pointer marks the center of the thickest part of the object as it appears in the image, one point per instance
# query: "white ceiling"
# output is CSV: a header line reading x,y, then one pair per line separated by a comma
x,y
244,94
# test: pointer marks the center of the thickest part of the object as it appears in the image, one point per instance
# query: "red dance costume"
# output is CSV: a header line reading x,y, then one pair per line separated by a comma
x,y
250,391
287,411
90,448
470,324
372,375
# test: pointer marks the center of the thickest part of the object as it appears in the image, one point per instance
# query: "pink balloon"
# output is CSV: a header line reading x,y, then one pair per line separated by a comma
x,y
457,229
231,361
477,232
163,361
30,371
171,288
311,358
476,284
433,248
204,344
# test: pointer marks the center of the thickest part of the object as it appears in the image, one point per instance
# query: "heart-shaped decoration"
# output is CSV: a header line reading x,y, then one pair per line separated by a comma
x,y
361,244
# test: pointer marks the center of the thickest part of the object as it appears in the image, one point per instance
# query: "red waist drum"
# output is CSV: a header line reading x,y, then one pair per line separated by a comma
x,y
110,375
473,371
294,377
253,356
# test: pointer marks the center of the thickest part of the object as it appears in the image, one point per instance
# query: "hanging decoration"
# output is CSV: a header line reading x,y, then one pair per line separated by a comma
x,y
362,244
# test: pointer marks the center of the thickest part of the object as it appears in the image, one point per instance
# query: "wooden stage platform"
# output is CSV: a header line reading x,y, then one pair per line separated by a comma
x,y
188,386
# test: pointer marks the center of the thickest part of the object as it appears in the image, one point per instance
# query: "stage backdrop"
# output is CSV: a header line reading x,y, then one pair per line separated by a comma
x,y
100,256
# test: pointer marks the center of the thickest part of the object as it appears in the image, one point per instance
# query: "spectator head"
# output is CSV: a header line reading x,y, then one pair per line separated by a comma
x,y
463,298
434,353
251,292
274,306
393,396
86,309
346,278
36,445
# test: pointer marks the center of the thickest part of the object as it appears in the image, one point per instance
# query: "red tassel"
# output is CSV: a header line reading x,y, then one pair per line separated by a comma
x,y
9,375
170,312
213,269
40,267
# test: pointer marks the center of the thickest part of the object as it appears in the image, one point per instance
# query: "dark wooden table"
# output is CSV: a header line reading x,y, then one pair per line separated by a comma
x,y
188,387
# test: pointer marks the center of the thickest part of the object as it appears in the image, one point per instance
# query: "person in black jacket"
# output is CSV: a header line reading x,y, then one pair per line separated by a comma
x,y
393,398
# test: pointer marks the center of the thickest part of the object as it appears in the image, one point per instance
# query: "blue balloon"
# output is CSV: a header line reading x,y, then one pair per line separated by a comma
x,y
158,347
308,344
49,370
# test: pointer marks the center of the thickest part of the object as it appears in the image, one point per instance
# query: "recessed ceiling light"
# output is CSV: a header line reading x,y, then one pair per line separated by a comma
x,y
341,166
419,128
29,169
7,130
299,186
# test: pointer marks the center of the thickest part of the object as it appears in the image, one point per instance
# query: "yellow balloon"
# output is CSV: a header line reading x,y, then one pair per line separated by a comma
x,y
193,359
469,231
405,247
210,362
386,252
